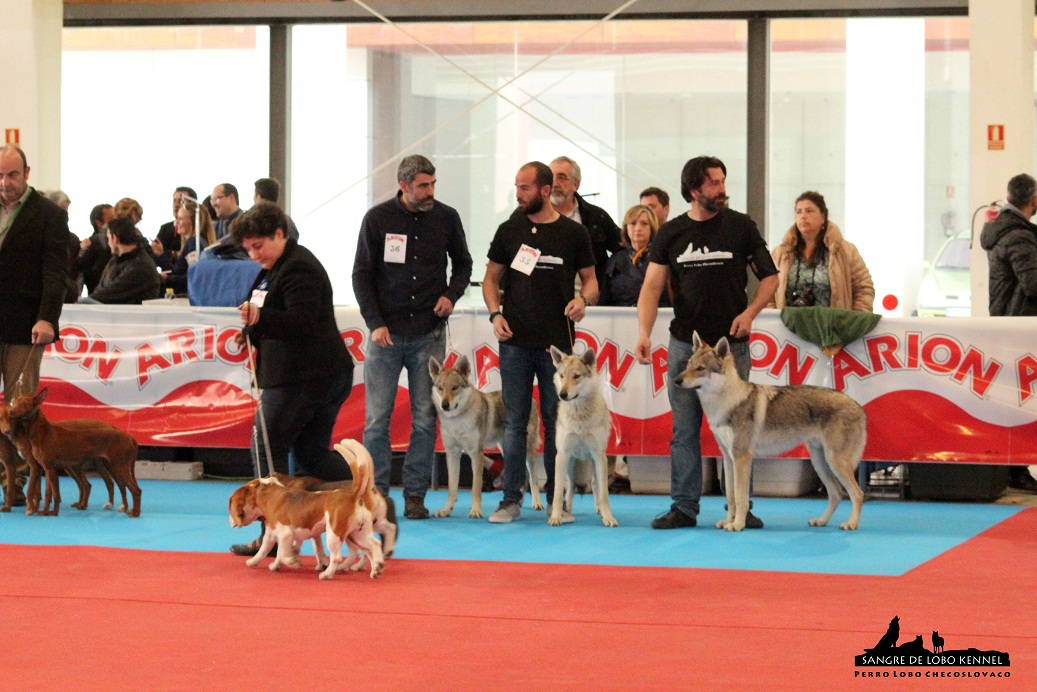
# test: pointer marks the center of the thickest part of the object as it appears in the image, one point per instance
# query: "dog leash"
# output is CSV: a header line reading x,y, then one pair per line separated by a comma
x,y
18,383
259,408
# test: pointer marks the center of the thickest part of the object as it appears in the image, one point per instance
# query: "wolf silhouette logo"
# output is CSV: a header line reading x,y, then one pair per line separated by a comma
x,y
889,639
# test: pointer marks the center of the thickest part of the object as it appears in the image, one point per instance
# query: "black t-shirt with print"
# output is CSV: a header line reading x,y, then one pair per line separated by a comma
x,y
534,305
707,261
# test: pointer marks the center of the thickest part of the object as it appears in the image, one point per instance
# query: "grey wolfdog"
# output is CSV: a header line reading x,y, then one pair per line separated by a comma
x,y
582,432
471,421
750,419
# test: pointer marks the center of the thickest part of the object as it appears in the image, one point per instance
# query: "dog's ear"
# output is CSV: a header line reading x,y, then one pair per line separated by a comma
x,y
41,396
434,367
463,367
588,357
696,340
723,348
556,355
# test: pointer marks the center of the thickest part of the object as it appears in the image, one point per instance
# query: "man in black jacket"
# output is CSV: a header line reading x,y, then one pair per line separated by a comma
x,y
1011,244
34,241
566,201
130,277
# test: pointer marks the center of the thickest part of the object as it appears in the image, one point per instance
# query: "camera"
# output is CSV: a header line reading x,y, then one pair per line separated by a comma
x,y
804,298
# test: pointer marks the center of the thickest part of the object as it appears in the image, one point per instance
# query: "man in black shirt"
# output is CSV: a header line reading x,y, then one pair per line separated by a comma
x,y
704,255
537,252
400,282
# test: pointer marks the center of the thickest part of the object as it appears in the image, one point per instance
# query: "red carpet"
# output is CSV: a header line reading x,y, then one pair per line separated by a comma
x,y
91,618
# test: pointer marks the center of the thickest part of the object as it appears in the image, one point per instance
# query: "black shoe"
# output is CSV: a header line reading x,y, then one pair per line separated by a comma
x,y
752,521
415,508
1019,478
251,549
674,519
619,485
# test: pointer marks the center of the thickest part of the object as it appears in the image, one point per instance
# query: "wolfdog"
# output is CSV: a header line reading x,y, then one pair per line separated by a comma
x,y
750,419
470,421
582,432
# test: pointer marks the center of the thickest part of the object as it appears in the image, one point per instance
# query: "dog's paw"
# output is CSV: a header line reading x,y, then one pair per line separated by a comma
x,y
329,573
554,520
722,524
537,504
818,521
122,508
848,526
8,509
253,561
734,526
107,505
609,521
445,512
474,513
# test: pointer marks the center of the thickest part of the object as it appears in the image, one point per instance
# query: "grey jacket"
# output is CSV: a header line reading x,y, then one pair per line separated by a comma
x,y
1011,244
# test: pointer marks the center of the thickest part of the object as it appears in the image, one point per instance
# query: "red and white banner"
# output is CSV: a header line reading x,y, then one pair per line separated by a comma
x,y
934,389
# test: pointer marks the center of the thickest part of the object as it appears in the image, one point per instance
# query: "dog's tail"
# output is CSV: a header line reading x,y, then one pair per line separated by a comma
x,y
361,465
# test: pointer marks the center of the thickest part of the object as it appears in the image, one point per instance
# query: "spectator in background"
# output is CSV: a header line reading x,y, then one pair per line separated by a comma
x,y
817,266
94,252
1011,244
225,203
128,208
567,201
659,202
166,245
269,189
73,284
185,216
626,269
130,276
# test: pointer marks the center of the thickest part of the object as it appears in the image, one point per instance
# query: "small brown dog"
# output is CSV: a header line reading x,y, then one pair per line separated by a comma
x,y
23,447
67,447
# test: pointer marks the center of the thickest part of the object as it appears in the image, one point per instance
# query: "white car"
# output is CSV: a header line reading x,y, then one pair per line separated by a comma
x,y
945,289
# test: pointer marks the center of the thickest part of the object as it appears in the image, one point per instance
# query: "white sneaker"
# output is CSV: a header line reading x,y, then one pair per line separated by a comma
x,y
507,512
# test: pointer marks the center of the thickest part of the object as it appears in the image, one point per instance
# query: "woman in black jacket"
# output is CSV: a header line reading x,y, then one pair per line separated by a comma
x,y
302,365
625,271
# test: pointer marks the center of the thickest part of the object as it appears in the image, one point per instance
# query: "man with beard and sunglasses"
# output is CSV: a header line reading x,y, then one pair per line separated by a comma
x,y
704,255
535,255
400,283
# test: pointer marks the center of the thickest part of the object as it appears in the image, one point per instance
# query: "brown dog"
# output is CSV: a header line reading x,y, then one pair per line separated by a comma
x,y
294,514
372,499
23,446
67,447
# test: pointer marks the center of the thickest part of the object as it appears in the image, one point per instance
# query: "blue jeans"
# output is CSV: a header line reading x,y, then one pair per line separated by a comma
x,y
300,418
685,446
518,366
382,367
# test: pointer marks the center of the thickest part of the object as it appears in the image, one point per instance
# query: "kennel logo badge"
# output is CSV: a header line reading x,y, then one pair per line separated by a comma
x,y
912,653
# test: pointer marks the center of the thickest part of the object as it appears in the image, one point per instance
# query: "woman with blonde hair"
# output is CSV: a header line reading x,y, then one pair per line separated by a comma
x,y
185,221
817,266
625,270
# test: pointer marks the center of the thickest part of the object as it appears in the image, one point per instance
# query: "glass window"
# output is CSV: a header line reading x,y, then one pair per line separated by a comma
x,y
873,113
149,109
630,101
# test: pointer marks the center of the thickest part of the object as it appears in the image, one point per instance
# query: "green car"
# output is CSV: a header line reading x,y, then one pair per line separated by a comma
x,y
946,290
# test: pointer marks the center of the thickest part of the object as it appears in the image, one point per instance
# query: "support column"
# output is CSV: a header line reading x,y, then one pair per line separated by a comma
x,y
31,37
281,108
1001,57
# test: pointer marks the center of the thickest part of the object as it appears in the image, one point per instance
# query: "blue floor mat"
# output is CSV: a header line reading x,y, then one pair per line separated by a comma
x,y
895,536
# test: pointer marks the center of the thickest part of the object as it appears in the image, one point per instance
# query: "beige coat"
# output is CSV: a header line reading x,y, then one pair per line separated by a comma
x,y
852,287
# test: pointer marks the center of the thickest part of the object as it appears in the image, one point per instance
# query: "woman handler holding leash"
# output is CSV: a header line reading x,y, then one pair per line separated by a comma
x,y
303,368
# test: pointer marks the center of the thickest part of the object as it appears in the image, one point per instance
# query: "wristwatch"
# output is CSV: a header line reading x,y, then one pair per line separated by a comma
x,y
494,314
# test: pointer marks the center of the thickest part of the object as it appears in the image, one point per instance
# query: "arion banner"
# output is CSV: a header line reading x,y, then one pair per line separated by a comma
x,y
934,389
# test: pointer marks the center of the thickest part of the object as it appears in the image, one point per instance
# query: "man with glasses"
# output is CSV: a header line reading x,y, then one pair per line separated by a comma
x,y
567,201
225,202
400,283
